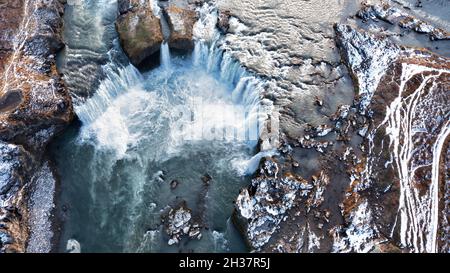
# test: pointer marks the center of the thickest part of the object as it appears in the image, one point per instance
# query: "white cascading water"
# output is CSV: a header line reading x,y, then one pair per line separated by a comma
x,y
165,56
117,82
248,90
189,118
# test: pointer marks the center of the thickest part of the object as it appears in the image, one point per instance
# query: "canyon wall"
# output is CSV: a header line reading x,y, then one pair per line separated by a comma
x,y
34,106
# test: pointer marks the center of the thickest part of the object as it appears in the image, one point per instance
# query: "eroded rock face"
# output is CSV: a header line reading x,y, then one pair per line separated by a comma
x,y
261,208
139,29
34,106
371,163
34,101
404,144
16,165
181,22
395,15
9,22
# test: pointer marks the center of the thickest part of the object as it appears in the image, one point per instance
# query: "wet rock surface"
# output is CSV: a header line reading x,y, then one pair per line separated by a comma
x,y
181,22
34,106
179,224
394,15
144,25
139,29
348,147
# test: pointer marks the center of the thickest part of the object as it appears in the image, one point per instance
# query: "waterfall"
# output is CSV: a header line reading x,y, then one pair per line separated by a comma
x,y
118,80
165,50
209,53
132,128
165,56
198,55
250,166
212,53
248,87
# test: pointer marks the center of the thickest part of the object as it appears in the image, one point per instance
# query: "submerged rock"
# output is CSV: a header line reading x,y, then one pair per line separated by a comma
x,y
174,184
206,179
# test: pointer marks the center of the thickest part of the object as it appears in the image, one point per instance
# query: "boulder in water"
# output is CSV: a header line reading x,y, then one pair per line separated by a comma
x,y
181,22
179,223
139,30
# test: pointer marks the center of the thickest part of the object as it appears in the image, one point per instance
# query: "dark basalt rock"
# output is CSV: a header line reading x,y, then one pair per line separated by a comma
x,y
174,184
394,15
206,179
352,201
224,21
10,100
34,105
